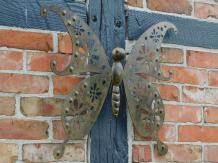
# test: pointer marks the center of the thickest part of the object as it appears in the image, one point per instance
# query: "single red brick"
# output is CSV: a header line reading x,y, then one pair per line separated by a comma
x,y
64,43
186,75
166,133
135,3
169,92
26,40
44,153
175,113
58,130
210,153
211,114
172,55
205,10
20,83
7,105
8,152
180,153
141,153
40,61
11,60
23,129
200,95
35,106
213,78
198,133
65,84
202,59
171,6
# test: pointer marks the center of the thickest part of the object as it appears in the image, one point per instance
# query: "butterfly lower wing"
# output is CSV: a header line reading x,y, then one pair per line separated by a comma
x,y
145,55
145,107
84,104
82,107
88,54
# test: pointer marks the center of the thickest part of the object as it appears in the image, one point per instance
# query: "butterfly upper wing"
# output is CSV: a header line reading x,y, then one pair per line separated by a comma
x,y
144,102
145,56
88,55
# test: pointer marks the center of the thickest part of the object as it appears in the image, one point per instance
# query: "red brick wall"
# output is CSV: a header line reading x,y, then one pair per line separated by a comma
x,y
29,113
191,97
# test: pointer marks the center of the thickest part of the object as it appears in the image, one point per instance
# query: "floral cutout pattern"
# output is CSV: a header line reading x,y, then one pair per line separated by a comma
x,y
155,35
94,57
78,28
94,92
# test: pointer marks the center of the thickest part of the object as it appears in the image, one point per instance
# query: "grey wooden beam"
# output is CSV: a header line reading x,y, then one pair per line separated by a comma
x,y
25,13
191,32
109,134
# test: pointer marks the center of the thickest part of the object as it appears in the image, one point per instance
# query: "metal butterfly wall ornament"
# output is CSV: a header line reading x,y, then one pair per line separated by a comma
x,y
83,105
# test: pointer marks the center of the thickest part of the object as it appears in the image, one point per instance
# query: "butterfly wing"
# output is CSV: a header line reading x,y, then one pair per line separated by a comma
x,y
82,106
144,102
88,55
145,56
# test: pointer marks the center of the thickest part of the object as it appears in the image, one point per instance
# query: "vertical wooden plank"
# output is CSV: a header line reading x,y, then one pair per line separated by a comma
x,y
109,134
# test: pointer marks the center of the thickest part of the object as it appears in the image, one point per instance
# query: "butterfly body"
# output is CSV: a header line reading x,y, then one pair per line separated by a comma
x,y
118,55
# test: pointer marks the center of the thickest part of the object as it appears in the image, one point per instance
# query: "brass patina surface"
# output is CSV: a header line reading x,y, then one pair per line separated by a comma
x,y
83,105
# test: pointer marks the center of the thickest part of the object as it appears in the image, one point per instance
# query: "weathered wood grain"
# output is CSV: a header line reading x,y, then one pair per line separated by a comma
x,y
109,134
25,13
